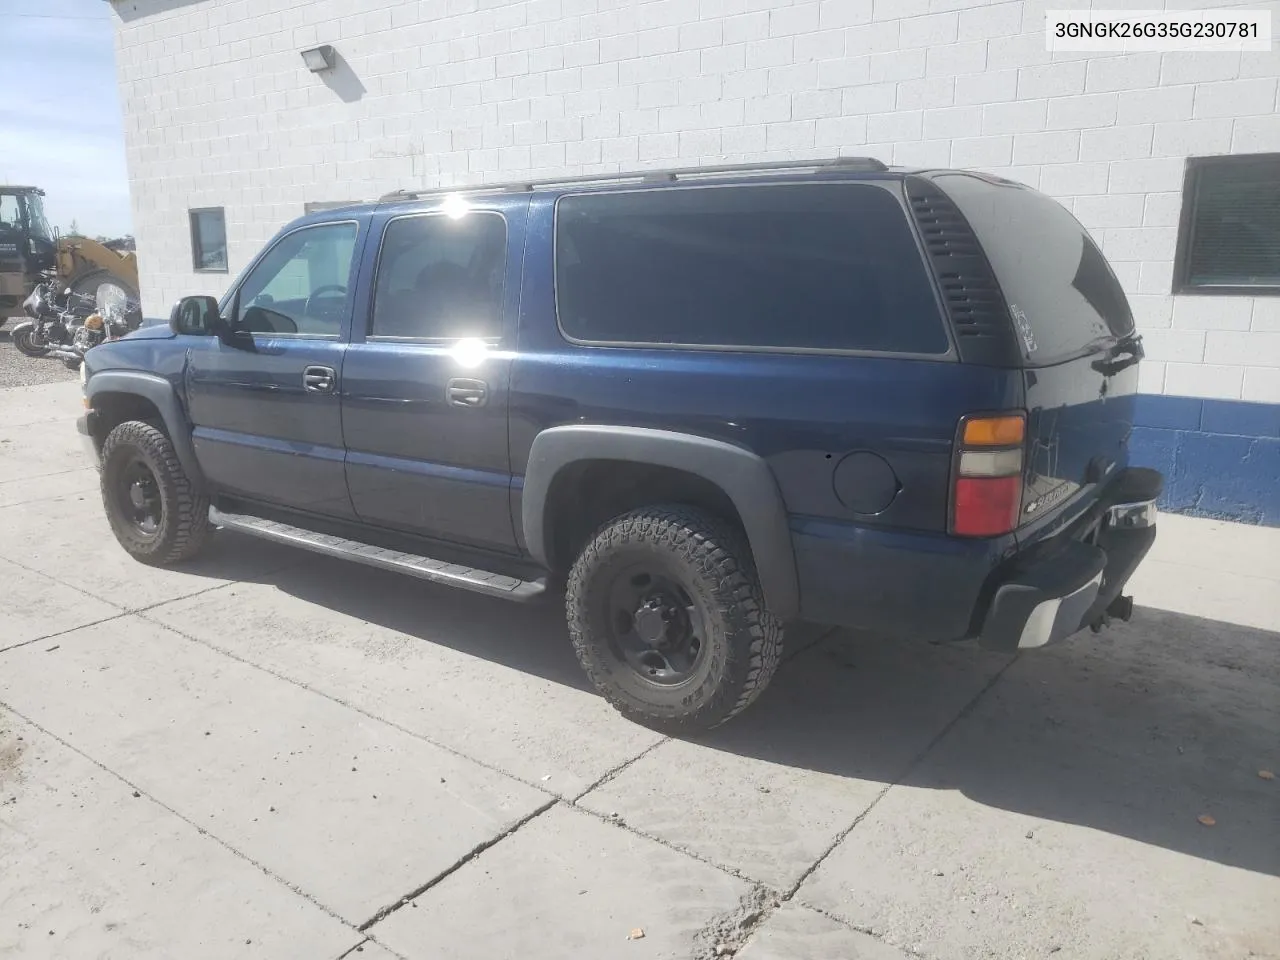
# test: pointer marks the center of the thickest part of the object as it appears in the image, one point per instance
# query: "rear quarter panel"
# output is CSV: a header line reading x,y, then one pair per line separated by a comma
x,y
803,413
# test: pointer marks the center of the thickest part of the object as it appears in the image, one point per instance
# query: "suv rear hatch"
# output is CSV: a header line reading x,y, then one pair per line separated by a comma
x,y
1073,342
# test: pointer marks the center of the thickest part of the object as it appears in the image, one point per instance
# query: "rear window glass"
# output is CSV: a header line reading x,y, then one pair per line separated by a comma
x,y
1061,292
812,266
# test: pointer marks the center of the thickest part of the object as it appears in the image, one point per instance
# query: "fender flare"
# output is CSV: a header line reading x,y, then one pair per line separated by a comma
x,y
743,476
162,395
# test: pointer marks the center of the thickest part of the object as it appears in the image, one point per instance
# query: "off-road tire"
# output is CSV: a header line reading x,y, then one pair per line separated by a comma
x,y
184,524
22,341
715,568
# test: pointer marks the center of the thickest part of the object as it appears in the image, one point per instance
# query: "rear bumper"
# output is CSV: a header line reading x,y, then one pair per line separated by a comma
x,y
938,588
1081,583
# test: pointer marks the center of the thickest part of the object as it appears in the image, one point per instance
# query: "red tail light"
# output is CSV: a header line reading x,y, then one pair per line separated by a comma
x,y
987,496
986,506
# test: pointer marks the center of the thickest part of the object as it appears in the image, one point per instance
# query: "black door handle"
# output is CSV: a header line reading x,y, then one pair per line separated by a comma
x,y
463,392
318,379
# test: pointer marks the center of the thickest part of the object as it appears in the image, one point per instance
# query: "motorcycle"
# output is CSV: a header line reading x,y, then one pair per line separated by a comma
x,y
65,325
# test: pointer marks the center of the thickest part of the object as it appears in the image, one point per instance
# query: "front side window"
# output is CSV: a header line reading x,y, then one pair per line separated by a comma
x,y
441,278
806,266
209,240
1229,240
302,284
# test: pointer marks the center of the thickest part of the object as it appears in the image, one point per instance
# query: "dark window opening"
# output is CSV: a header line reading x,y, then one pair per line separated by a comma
x,y
209,240
809,266
441,278
1229,234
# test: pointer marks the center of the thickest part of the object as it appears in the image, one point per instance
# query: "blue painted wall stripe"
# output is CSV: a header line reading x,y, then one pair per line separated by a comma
x,y
1220,458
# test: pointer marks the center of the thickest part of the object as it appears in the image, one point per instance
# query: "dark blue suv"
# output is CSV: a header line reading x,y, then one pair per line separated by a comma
x,y
702,403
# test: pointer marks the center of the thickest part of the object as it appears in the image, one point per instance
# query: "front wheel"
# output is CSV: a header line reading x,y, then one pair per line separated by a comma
x,y
153,511
28,342
668,619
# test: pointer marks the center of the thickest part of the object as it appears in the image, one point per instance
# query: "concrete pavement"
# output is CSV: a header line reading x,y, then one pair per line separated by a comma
x,y
270,754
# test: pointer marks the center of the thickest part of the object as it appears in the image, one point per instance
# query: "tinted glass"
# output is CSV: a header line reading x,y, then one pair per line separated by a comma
x,y
37,223
1235,223
10,216
1061,292
441,277
209,240
301,285
828,266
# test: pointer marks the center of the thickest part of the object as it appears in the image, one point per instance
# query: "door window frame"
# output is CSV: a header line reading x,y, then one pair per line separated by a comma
x,y
232,298
495,341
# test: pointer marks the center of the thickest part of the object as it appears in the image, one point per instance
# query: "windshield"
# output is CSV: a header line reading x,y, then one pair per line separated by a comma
x,y
37,225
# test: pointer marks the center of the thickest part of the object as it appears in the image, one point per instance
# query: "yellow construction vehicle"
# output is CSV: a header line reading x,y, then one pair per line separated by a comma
x,y
32,253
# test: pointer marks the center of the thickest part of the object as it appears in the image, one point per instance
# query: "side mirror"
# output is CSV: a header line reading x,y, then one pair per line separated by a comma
x,y
194,316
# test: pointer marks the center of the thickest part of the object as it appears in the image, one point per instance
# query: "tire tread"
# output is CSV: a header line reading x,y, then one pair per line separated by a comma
x,y
188,512
718,550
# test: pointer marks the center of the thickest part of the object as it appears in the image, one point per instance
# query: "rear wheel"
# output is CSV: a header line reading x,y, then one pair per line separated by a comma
x,y
667,618
153,511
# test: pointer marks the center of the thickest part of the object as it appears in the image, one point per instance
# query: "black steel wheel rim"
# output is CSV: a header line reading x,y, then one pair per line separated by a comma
x,y
138,497
655,626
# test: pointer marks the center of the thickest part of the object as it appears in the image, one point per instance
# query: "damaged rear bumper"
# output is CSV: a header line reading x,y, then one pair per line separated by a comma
x,y
1081,582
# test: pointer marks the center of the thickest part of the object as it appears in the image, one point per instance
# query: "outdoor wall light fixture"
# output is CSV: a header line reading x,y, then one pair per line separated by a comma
x,y
319,59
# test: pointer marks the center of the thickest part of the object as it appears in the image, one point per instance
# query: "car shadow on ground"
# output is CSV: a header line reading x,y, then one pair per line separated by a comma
x,y
1136,732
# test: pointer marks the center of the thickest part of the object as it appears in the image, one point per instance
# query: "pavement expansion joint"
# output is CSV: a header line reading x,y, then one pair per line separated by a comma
x,y
140,794
906,771
453,751
462,861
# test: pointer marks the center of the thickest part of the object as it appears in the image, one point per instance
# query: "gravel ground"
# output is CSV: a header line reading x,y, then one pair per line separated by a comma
x,y
19,371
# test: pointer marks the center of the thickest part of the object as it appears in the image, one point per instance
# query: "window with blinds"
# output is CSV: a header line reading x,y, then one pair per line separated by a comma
x,y
1229,236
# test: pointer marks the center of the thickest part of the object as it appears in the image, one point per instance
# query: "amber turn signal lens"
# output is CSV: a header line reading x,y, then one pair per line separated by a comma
x,y
994,431
93,322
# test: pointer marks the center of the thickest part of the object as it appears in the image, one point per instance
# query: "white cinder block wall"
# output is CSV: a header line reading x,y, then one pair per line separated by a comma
x,y
220,111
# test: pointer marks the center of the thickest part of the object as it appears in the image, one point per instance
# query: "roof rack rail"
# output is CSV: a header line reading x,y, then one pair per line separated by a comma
x,y
647,176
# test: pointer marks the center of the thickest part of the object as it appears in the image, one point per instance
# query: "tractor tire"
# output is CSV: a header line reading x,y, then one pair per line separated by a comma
x,y
93,284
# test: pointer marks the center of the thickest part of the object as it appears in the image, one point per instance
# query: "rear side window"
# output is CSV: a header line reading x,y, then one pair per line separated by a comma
x,y
441,278
1061,292
812,266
